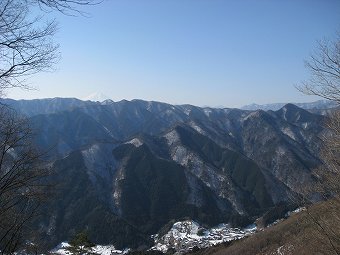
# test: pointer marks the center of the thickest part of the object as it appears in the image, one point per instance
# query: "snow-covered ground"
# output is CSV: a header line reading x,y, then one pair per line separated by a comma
x,y
98,249
185,235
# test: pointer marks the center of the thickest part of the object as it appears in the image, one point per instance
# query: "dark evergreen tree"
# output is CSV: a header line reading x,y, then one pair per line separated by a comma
x,y
81,244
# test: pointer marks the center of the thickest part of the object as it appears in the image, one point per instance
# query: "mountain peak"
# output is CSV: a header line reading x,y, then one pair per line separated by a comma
x,y
96,97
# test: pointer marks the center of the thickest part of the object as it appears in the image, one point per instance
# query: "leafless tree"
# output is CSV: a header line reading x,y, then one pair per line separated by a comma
x,y
329,173
26,45
64,6
26,48
324,67
21,179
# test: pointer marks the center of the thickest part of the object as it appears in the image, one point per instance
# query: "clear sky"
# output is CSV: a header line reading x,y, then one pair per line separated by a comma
x,y
202,52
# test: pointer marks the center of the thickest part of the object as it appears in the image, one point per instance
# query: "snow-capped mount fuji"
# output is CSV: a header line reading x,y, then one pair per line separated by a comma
x,y
96,97
129,168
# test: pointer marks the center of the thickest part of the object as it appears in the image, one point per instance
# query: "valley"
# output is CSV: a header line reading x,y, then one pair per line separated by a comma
x,y
126,170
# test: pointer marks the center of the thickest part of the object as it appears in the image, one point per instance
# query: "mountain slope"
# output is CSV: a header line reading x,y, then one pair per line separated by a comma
x,y
291,236
76,206
125,169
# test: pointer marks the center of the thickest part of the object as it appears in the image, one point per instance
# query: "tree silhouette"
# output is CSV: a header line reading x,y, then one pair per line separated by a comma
x,y
81,244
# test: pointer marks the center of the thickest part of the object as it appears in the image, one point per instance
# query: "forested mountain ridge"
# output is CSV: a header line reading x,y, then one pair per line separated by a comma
x,y
125,169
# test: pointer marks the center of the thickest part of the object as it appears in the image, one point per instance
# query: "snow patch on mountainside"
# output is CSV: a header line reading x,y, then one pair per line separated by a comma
x,y
288,132
207,111
108,131
98,249
187,111
284,109
195,164
197,128
116,190
208,174
255,114
136,142
172,137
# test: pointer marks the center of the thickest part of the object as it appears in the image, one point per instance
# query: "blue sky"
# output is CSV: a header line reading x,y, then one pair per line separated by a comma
x,y
203,52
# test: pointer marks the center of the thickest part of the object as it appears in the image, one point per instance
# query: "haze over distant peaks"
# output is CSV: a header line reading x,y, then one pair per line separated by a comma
x,y
96,97
320,104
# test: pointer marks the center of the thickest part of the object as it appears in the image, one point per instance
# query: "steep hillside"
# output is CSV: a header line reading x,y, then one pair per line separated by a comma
x,y
315,231
77,205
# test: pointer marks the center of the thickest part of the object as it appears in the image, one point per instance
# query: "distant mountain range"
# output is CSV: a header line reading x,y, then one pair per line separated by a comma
x,y
317,105
126,169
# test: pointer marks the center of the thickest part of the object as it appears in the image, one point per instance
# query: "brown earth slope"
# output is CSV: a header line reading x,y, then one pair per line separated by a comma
x,y
314,231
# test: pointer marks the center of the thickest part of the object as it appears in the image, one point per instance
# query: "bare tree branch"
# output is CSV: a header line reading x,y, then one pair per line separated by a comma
x,y
26,48
26,45
65,6
324,67
22,189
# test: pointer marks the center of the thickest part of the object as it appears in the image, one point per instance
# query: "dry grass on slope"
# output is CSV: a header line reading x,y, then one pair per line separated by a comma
x,y
314,231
